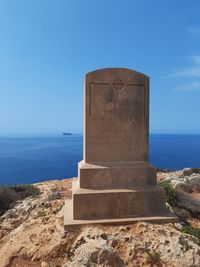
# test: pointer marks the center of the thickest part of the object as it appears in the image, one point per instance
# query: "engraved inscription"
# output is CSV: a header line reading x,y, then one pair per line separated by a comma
x,y
117,140
90,92
109,103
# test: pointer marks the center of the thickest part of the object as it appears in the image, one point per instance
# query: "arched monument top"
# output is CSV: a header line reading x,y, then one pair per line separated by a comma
x,y
122,71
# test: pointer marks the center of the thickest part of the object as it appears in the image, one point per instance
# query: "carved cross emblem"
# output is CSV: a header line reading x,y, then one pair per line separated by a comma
x,y
118,84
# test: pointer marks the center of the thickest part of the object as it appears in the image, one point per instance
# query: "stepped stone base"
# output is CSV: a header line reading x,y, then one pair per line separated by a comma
x,y
116,193
101,175
70,223
117,203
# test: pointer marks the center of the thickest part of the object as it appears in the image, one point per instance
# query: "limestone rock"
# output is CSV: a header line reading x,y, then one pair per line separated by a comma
x,y
187,202
190,185
187,171
35,237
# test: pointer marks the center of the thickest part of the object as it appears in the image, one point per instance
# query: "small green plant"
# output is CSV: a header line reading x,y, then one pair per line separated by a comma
x,y
171,195
191,231
9,195
69,252
26,190
54,189
40,214
153,257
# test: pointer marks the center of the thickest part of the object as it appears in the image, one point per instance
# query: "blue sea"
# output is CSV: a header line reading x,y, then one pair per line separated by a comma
x,y
30,160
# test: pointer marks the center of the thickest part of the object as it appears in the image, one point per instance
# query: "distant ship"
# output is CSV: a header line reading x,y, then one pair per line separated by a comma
x,y
67,133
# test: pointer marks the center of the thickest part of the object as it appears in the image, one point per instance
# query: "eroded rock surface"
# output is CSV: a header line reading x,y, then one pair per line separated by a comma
x,y
32,235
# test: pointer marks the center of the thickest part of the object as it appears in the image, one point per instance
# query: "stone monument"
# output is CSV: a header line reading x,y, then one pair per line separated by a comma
x,y
116,183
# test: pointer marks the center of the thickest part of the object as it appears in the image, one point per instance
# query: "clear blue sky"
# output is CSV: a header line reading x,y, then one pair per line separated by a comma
x,y
46,47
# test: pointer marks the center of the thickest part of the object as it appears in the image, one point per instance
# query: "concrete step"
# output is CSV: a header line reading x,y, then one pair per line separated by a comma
x,y
116,174
70,223
137,201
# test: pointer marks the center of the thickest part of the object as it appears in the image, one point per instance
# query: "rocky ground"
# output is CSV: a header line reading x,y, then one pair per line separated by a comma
x,y
32,233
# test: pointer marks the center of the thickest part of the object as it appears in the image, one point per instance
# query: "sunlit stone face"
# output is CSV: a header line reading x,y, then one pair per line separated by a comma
x,y
116,116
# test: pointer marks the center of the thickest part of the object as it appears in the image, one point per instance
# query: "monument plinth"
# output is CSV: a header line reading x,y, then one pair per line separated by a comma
x,y
116,183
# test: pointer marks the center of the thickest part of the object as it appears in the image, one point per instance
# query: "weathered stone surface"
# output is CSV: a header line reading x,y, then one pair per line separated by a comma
x,y
116,116
127,246
189,203
41,240
188,171
70,223
114,175
140,201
